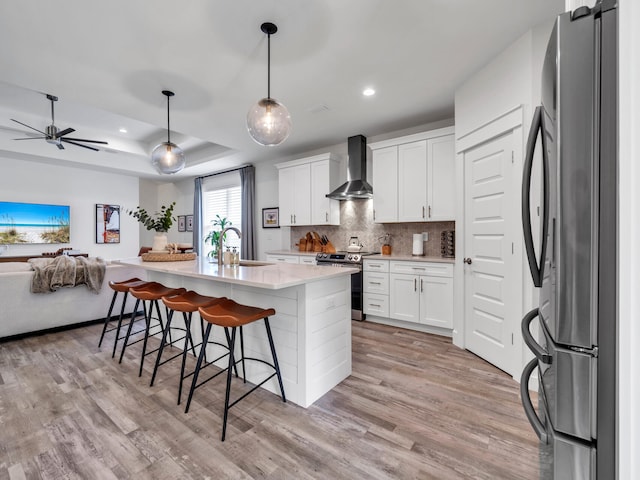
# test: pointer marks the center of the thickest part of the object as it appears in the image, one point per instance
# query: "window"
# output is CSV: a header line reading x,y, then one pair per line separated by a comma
x,y
221,195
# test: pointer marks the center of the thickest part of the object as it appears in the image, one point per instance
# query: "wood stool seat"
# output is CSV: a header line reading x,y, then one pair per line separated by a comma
x,y
151,292
229,314
187,303
122,286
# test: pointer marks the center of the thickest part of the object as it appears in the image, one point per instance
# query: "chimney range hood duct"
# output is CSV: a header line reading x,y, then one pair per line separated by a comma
x,y
356,186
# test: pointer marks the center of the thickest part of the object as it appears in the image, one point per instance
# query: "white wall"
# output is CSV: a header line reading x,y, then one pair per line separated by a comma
x,y
30,182
629,239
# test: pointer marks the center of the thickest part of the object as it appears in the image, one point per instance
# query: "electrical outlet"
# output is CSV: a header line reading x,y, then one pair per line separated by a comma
x,y
425,236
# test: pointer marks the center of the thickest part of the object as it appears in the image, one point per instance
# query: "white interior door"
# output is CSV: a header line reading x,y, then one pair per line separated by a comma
x,y
491,278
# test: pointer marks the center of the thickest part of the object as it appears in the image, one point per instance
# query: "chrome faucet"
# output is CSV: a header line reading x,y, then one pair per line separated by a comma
x,y
221,241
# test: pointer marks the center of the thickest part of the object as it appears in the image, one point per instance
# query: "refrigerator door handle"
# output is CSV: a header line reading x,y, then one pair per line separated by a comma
x,y
536,268
529,411
540,353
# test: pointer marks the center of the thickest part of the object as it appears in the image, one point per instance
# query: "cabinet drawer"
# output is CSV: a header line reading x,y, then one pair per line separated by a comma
x,y
282,258
375,304
375,282
376,266
422,268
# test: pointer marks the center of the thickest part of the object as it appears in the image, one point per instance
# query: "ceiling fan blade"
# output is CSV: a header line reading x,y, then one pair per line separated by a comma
x,y
79,144
84,140
28,126
31,138
66,131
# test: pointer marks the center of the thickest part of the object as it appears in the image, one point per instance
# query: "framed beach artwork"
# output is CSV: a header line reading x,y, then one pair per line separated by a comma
x,y
189,223
182,223
107,223
22,223
271,217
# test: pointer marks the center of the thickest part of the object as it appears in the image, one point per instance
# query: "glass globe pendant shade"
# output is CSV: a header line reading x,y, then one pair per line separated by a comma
x,y
168,158
269,122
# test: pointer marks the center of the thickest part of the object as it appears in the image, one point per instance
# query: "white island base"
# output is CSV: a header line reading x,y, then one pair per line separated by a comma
x,y
311,328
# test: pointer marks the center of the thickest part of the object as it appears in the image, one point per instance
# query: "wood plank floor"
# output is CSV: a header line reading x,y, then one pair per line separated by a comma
x,y
416,407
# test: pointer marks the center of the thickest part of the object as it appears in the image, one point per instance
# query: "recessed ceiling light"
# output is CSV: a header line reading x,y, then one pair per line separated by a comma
x,y
367,92
123,130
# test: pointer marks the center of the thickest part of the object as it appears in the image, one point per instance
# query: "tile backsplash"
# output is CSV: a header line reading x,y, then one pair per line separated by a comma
x,y
356,218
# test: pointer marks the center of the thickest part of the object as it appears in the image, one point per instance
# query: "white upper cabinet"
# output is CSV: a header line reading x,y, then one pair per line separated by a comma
x,y
302,188
414,177
441,178
324,178
293,195
385,184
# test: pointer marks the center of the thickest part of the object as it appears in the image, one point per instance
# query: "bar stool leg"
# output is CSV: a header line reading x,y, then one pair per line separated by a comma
x,y
146,332
229,374
161,349
275,359
108,318
244,371
126,337
188,338
196,372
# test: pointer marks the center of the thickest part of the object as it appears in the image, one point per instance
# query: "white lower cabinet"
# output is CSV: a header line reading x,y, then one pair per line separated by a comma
x,y
307,260
283,258
375,279
421,293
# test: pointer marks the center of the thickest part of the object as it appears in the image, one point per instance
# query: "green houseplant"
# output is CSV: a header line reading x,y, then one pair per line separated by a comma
x,y
213,237
159,222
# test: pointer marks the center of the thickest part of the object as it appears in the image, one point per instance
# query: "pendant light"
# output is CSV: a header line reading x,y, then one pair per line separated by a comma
x,y
268,121
168,157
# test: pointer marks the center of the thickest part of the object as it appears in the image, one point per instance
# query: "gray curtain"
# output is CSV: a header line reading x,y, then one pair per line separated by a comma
x,y
197,216
248,188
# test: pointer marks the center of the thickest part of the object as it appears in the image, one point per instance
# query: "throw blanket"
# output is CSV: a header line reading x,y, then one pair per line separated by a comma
x,y
50,274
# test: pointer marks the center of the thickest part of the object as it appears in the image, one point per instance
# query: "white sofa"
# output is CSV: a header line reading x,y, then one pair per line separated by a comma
x,y
23,312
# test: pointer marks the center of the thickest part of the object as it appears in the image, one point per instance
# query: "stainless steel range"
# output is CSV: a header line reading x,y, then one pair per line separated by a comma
x,y
351,260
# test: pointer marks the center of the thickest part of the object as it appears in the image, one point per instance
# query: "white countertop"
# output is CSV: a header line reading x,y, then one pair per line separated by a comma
x,y
266,275
374,257
411,258
290,252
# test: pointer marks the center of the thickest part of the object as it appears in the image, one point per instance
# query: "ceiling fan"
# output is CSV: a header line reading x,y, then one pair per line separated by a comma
x,y
55,136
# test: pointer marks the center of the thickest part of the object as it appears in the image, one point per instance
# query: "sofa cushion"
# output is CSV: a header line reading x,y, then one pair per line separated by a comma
x,y
14,267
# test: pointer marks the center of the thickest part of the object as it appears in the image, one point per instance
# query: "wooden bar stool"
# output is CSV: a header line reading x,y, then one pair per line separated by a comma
x,y
187,303
230,314
151,292
118,287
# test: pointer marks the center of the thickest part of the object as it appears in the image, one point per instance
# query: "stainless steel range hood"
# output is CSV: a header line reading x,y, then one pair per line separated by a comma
x,y
356,186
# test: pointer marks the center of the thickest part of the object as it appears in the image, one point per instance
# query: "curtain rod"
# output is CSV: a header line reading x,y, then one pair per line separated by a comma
x,y
227,171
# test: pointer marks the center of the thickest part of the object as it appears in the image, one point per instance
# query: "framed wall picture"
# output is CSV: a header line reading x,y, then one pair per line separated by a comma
x,y
182,223
107,223
271,217
189,223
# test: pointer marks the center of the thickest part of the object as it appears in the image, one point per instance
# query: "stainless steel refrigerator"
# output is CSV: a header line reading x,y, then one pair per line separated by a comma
x,y
575,265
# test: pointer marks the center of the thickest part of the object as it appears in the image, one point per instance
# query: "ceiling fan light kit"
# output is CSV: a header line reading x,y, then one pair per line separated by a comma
x,y
168,158
54,135
269,121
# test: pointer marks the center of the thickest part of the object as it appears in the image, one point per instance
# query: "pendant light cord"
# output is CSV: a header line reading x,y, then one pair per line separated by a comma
x,y
269,66
168,119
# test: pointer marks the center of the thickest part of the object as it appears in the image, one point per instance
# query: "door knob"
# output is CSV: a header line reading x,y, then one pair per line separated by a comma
x,y
467,260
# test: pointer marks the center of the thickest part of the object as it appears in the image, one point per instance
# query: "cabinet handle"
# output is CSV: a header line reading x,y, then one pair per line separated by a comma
x,y
429,211
291,218
423,211
415,284
374,213
326,217
374,305
421,287
374,283
419,268
294,218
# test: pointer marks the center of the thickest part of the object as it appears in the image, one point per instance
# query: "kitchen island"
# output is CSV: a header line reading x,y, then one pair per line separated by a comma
x,y
311,327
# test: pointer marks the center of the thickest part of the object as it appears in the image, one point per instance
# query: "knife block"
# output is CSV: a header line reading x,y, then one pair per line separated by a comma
x,y
328,248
